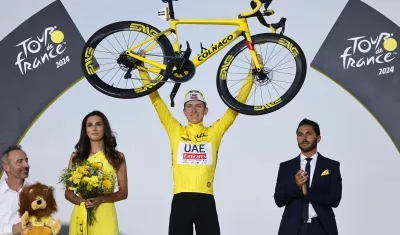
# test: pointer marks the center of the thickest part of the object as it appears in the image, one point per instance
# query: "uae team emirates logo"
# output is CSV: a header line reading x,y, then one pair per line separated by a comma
x,y
195,154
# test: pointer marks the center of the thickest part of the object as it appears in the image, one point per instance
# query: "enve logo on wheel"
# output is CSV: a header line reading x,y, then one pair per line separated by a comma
x,y
363,51
38,50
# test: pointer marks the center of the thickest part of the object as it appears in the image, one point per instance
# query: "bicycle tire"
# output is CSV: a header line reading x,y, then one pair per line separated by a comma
x,y
231,102
95,81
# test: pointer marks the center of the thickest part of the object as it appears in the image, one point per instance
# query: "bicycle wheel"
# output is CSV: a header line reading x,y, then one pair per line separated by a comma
x,y
228,64
122,62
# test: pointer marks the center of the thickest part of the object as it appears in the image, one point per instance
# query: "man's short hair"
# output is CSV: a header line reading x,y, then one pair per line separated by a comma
x,y
314,124
6,153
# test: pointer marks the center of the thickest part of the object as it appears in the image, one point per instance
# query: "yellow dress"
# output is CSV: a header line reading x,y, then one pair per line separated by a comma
x,y
106,215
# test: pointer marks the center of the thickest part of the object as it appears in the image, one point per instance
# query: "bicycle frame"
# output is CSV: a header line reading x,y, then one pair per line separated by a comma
x,y
202,57
241,30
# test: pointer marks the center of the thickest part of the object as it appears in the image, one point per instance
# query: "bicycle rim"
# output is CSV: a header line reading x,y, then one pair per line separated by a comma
x,y
277,92
109,43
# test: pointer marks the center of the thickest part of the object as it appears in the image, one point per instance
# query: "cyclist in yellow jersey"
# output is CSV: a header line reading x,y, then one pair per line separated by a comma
x,y
194,158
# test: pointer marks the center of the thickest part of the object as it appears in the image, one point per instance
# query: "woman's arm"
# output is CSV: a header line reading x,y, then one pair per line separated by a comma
x,y
122,192
122,178
69,194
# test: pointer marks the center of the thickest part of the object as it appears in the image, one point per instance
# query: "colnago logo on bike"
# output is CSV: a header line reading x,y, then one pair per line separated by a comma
x,y
215,48
365,51
39,50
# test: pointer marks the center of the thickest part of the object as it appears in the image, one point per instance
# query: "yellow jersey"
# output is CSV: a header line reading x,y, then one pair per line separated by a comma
x,y
194,148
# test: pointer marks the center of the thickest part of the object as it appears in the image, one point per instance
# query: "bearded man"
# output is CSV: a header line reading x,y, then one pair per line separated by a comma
x,y
308,186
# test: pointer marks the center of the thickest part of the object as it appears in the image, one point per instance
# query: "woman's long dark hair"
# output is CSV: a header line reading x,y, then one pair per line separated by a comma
x,y
83,147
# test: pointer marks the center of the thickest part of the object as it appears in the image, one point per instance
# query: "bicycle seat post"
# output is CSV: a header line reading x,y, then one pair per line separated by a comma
x,y
171,10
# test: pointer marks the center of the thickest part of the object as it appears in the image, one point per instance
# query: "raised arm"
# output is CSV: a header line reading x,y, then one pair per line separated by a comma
x,y
165,116
230,115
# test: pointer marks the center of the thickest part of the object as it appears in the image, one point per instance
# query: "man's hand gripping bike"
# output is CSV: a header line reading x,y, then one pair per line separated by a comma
x,y
176,66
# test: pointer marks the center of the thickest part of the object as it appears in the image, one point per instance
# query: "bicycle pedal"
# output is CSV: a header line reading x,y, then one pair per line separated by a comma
x,y
268,12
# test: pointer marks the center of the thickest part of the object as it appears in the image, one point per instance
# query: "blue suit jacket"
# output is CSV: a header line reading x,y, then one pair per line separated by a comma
x,y
324,194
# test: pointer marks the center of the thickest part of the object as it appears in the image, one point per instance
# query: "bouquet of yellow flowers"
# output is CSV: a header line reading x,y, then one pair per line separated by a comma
x,y
88,180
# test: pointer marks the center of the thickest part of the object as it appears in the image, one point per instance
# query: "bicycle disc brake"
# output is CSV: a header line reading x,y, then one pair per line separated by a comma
x,y
180,69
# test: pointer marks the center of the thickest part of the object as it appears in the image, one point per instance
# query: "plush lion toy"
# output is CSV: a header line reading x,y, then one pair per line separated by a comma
x,y
36,206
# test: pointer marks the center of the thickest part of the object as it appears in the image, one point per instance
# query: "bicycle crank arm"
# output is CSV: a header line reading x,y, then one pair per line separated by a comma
x,y
185,57
174,92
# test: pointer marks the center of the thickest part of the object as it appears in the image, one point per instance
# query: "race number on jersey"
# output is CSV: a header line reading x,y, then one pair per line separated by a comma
x,y
195,154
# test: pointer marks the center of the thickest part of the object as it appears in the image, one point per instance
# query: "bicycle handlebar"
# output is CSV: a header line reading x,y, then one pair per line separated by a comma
x,y
254,11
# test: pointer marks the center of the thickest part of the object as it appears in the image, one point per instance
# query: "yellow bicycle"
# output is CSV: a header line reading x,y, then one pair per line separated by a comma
x,y
175,65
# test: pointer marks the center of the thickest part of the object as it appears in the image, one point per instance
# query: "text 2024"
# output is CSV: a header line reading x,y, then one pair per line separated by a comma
x,y
62,61
386,70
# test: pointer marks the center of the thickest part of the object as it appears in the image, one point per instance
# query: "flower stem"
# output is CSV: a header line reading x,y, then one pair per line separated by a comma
x,y
91,217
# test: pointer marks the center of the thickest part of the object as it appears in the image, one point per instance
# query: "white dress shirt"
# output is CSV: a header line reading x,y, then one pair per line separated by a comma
x,y
9,204
313,163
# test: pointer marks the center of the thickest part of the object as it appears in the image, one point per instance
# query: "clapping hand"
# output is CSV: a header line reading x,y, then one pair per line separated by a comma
x,y
301,177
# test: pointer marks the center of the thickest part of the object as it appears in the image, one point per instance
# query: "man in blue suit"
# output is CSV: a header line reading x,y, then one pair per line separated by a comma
x,y
308,186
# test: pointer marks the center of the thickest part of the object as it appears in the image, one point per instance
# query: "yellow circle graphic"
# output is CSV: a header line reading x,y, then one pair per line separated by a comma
x,y
57,36
390,44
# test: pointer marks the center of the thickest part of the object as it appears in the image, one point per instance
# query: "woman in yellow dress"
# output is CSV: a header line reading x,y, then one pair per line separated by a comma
x,y
98,144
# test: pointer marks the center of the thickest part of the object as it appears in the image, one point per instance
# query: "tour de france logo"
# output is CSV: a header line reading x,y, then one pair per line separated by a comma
x,y
36,51
371,51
